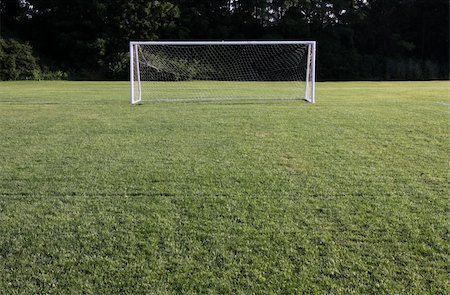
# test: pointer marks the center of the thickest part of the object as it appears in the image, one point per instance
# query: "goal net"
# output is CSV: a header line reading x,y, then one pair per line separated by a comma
x,y
181,70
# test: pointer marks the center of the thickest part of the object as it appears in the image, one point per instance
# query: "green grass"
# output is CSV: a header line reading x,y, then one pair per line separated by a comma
x,y
349,195
221,90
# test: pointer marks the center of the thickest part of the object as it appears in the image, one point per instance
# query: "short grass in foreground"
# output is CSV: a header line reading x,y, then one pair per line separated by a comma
x,y
346,196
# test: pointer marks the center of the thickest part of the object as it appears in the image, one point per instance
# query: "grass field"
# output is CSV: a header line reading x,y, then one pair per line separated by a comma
x,y
350,195
220,90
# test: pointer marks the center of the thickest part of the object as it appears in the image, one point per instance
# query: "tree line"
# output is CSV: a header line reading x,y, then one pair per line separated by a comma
x,y
357,39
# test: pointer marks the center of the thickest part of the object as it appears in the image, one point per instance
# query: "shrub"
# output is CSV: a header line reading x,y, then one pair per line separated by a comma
x,y
17,61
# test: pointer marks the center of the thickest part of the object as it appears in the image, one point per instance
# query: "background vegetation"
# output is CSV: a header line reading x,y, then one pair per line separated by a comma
x,y
358,39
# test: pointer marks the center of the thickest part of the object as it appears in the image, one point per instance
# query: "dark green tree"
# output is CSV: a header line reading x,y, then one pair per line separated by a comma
x,y
89,38
17,61
357,39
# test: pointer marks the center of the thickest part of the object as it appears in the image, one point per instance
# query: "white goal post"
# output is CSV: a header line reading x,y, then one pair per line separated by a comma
x,y
206,70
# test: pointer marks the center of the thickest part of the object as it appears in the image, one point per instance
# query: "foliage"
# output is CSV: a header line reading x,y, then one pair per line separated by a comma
x,y
358,39
348,196
17,61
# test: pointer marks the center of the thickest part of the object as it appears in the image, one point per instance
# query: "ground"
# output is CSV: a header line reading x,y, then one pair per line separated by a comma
x,y
349,195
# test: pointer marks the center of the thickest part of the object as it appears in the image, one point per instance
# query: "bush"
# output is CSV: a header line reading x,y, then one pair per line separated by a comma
x,y
55,75
17,61
118,66
415,69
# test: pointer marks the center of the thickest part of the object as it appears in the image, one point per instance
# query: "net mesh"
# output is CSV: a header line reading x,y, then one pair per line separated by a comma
x,y
221,71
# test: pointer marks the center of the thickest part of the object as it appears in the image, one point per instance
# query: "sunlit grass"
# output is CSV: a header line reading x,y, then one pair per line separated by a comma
x,y
243,196
229,90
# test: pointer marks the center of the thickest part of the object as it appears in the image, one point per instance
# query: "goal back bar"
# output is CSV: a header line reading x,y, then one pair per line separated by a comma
x,y
138,78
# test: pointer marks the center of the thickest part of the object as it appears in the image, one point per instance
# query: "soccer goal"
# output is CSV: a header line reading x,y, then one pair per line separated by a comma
x,y
200,70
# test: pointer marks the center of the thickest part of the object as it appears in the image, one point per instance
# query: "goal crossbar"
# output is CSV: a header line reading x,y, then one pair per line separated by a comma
x,y
161,70
218,42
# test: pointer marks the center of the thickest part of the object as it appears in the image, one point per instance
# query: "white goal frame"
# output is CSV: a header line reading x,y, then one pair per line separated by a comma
x,y
135,76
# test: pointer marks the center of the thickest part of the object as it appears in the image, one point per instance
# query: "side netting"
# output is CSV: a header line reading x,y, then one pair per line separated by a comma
x,y
165,71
